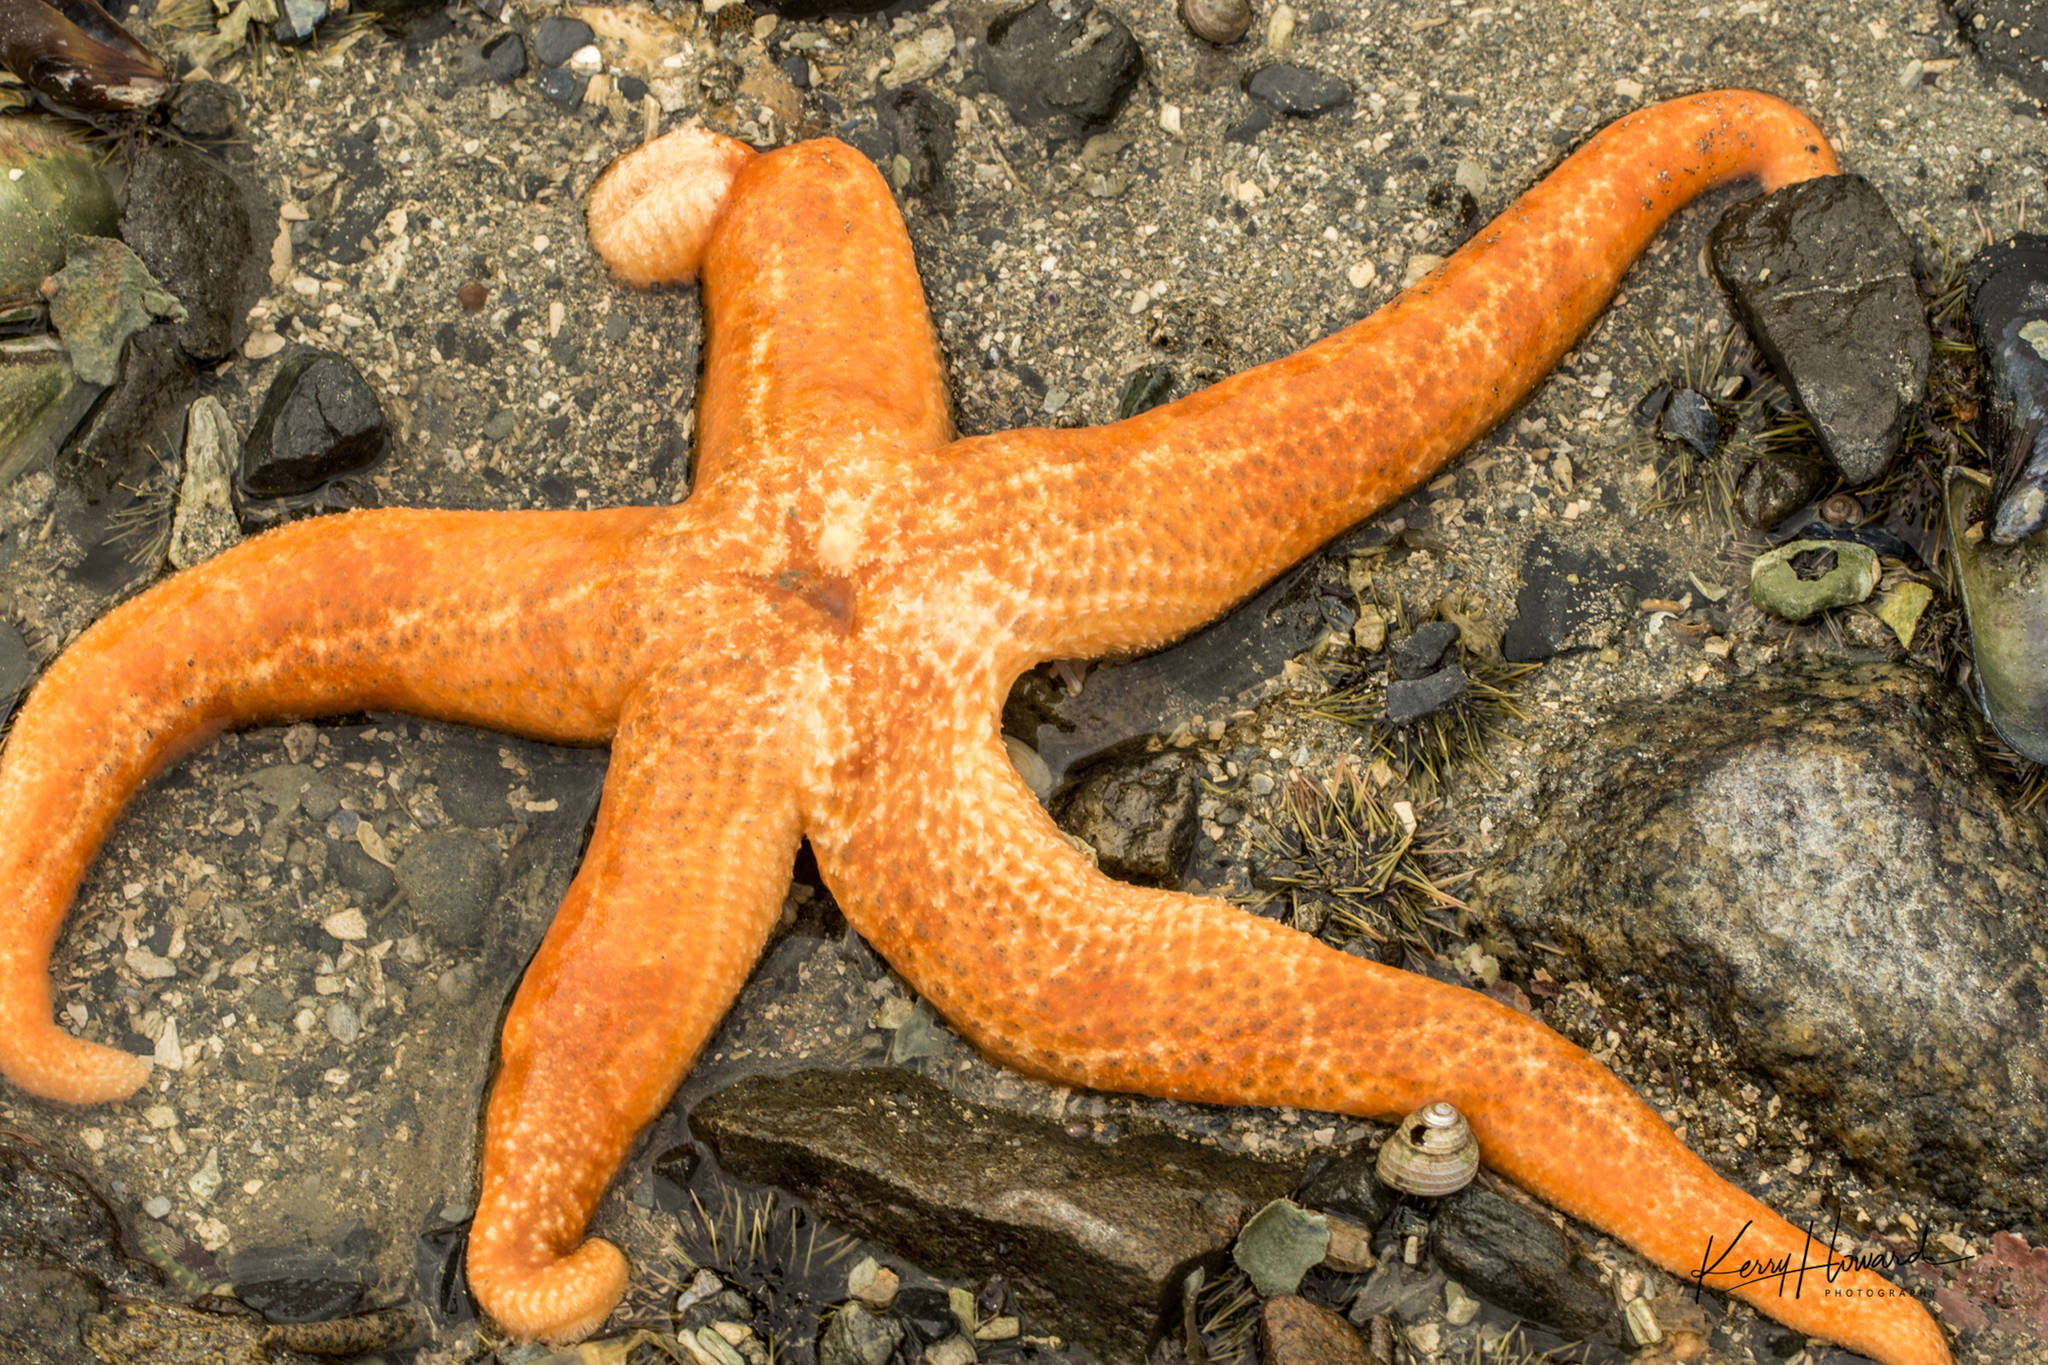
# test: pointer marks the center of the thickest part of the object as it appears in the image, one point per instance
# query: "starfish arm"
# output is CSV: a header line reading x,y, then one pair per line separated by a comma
x,y
970,891
462,615
816,319
683,881
1143,529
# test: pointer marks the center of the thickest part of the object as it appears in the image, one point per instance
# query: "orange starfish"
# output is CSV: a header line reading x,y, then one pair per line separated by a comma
x,y
817,643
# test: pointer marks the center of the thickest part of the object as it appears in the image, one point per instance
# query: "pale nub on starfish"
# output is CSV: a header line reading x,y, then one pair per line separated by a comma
x,y
817,643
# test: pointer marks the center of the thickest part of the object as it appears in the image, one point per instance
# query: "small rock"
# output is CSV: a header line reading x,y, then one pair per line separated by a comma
x,y
157,1207
319,420
204,523
1777,484
348,926
296,20
503,58
1062,65
1293,1331
1800,580
1349,1185
1139,816
2011,37
457,986
1689,419
557,38
205,1181
204,109
451,881
563,86
855,1336
1822,275
954,1350
1411,699
1508,1256
1901,609
1419,654
343,1023
874,1285
148,965
1350,1246
1282,1242
1295,90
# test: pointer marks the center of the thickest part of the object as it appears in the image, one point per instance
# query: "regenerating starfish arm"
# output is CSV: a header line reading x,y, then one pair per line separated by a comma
x,y
1048,965
337,614
674,902
1305,447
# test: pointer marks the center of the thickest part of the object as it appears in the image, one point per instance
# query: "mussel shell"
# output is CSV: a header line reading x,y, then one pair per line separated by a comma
x,y
59,195
2008,308
41,400
1431,1153
74,53
2005,600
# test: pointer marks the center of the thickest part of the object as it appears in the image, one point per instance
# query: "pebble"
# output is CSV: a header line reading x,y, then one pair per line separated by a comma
x,y
347,925
1295,90
319,420
157,1207
557,38
563,86
148,965
343,1023
855,1336
1423,650
457,985
1066,69
296,20
204,109
498,425
1413,698
1293,1331
472,296
504,58
954,1350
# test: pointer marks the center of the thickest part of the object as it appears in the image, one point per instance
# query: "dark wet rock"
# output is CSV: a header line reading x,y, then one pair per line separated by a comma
x,y
727,1305
929,1313
1293,1331
854,1336
1147,388
1519,1261
205,109
1348,1185
1413,698
911,123
1822,275
1138,816
1250,126
504,58
319,420
451,881
295,1284
1814,871
1575,597
1424,648
195,225
563,86
1092,1237
1689,419
1128,700
558,37
359,872
17,668
296,20
1294,90
2011,37
1064,66
2008,308
144,412
1776,485
51,1215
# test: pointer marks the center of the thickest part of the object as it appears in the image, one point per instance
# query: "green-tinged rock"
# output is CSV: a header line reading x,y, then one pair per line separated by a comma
x,y
60,194
102,296
1777,588
1282,1243
1901,607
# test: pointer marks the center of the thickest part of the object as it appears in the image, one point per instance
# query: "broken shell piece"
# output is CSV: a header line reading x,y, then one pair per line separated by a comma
x,y
73,52
50,192
1432,1153
2005,601
1784,585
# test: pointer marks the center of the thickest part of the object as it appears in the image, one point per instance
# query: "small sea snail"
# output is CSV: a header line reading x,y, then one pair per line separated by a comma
x,y
1216,21
1432,1153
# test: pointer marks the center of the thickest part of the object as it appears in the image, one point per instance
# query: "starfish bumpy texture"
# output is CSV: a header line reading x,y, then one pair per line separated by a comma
x,y
816,644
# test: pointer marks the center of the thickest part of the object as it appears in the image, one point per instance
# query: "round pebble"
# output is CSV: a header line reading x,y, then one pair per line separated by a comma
x,y
472,296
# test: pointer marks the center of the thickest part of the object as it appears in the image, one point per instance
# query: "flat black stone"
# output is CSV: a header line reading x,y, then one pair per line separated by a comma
x,y
1822,275
1413,698
563,86
1689,419
1062,65
319,420
1296,90
1423,650
505,58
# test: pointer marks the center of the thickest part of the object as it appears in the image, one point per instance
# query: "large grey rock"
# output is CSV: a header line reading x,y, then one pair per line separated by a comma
x,y
1091,1237
1524,1263
1066,66
194,224
1822,275
1815,871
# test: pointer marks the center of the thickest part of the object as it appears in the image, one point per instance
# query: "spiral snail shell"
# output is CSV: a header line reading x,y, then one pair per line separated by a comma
x,y
1216,21
1431,1153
